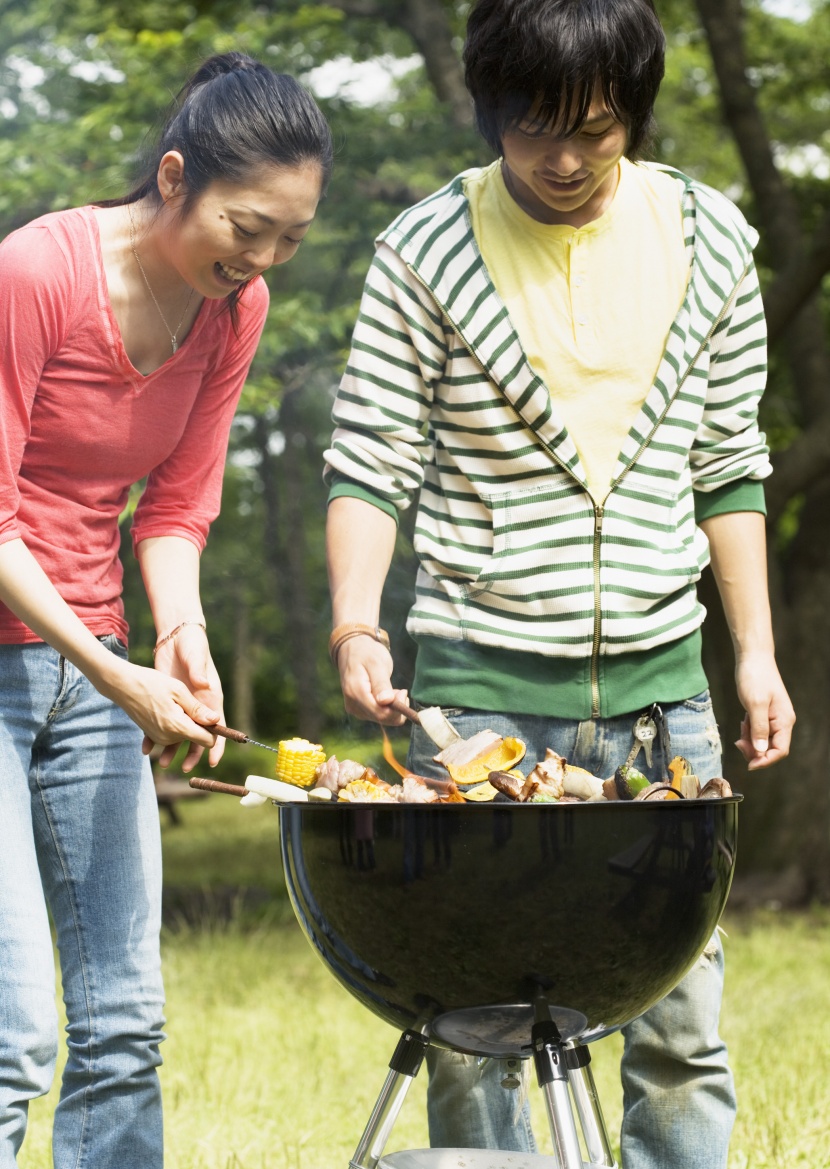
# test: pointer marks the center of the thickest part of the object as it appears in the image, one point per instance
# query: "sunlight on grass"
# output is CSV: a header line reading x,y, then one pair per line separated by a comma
x,y
271,1064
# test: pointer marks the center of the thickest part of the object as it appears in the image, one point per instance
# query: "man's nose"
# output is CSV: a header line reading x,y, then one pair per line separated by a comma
x,y
564,158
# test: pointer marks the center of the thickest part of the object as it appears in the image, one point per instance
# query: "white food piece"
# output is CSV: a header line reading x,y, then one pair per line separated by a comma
x,y
438,727
415,791
582,784
548,774
252,800
320,795
464,751
275,789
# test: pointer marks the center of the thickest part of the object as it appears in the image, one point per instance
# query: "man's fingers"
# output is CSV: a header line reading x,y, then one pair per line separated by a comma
x,y
756,722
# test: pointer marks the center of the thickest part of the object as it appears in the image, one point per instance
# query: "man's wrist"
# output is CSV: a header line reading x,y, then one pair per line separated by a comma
x,y
346,630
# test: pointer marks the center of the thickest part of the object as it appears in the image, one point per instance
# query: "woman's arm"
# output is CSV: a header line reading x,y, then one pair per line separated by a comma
x,y
737,541
162,706
170,569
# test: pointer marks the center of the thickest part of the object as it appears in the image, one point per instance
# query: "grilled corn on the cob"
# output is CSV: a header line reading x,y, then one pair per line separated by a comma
x,y
298,760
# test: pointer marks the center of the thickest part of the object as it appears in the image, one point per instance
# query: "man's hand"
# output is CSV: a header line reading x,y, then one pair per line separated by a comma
x,y
767,726
366,680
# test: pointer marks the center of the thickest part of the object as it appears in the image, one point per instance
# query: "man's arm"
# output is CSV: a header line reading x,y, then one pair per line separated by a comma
x,y
360,540
737,541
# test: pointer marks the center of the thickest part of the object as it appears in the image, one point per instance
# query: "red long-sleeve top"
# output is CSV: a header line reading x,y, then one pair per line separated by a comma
x,y
79,424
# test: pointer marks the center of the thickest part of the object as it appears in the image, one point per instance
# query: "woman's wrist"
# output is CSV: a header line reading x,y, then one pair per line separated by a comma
x,y
172,633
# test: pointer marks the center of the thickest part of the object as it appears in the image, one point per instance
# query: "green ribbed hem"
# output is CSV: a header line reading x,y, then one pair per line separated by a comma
x,y
482,677
342,485
745,495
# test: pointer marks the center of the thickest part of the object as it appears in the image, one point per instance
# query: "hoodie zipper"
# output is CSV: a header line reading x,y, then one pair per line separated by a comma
x,y
599,508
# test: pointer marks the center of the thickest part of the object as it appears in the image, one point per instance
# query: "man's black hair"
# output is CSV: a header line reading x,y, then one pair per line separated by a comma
x,y
547,57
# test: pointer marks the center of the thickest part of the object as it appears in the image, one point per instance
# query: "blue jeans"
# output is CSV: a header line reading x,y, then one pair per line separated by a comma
x,y
79,835
678,1093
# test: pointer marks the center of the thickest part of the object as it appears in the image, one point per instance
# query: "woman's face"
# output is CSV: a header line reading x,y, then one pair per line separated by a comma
x,y
235,231
565,180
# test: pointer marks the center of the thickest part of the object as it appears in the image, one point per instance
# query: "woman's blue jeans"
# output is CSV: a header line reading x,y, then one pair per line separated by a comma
x,y
79,833
678,1092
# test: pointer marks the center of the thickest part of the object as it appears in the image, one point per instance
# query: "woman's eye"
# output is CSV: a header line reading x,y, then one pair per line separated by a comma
x,y
243,232
296,242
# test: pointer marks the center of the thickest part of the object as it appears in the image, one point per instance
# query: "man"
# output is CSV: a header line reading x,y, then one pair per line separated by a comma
x,y
561,355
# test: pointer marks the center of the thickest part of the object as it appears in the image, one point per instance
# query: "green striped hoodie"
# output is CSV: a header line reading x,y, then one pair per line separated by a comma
x,y
440,402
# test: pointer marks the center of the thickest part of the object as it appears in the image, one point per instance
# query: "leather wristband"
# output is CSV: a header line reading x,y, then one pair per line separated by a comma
x,y
342,633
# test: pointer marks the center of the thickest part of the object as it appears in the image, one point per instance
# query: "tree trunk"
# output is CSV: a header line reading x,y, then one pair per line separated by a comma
x,y
242,714
785,821
301,627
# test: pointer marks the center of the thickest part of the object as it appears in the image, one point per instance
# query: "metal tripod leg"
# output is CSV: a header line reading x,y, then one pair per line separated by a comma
x,y
403,1068
584,1091
552,1076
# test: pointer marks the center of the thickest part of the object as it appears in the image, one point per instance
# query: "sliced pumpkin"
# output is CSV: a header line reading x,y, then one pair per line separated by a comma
x,y
502,755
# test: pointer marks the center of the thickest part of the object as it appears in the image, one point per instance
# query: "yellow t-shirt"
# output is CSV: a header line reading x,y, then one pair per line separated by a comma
x,y
592,305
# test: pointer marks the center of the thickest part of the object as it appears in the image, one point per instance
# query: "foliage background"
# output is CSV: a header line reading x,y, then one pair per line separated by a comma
x,y
744,107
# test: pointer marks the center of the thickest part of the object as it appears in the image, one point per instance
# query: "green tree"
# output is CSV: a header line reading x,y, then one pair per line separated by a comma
x,y
744,107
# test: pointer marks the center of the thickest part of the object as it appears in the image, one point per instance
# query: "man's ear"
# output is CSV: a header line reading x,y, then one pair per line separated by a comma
x,y
170,175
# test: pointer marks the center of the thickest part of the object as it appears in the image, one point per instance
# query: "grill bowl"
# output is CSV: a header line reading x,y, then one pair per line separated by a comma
x,y
425,911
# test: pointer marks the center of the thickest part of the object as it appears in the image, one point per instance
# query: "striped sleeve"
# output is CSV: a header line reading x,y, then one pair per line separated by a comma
x,y
728,445
398,354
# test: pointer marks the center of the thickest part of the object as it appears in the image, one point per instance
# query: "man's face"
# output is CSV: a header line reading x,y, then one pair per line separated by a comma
x,y
565,180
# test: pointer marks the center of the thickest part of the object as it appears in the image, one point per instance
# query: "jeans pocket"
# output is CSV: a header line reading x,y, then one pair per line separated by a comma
x,y
113,643
701,702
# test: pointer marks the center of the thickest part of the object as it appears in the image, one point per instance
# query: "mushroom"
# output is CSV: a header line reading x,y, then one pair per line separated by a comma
x,y
715,789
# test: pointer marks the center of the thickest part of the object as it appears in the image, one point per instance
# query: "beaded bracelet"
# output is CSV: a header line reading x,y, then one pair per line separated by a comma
x,y
342,633
169,636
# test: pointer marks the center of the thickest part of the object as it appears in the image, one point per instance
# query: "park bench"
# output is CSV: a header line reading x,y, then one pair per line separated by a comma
x,y
172,788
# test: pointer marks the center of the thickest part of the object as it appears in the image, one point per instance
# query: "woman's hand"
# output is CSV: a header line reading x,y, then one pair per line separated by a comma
x,y
186,657
366,680
162,706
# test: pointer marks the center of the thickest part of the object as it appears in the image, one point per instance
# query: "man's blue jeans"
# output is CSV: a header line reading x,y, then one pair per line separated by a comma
x,y
80,835
678,1093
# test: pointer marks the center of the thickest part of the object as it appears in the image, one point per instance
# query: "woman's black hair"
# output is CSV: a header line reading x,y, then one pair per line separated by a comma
x,y
546,58
234,116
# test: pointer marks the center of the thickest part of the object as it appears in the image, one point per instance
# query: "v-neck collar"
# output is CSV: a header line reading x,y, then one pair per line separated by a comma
x,y
442,252
138,380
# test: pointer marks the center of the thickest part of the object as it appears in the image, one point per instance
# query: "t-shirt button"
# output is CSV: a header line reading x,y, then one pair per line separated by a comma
x,y
578,281
582,320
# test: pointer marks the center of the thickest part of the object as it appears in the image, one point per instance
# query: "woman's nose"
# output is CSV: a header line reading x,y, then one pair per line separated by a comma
x,y
262,254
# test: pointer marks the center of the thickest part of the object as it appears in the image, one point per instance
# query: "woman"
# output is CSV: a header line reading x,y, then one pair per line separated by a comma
x,y
127,331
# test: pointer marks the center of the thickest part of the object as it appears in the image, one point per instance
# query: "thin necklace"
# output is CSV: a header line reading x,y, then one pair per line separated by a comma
x,y
173,336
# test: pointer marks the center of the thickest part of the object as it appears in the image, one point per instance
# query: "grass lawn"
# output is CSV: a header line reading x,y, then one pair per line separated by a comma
x,y
270,1064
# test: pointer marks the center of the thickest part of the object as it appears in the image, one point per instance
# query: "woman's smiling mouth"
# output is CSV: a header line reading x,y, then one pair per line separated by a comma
x,y
232,275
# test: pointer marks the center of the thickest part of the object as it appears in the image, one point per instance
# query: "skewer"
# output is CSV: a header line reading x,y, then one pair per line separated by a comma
x,y
214,785
237,736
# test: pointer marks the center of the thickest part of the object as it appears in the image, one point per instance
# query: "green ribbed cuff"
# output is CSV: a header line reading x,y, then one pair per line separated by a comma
x,y
341,485
743,495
